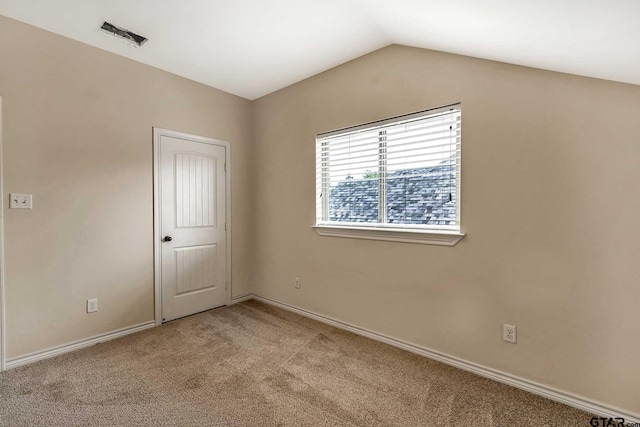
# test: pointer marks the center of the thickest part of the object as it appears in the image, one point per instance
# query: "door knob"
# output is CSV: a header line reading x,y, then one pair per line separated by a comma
x,y
167,239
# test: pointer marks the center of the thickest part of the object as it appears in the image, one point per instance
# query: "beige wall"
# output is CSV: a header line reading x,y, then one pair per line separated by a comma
x,y
550,202
78,135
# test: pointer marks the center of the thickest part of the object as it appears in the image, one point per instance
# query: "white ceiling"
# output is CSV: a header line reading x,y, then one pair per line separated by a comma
x,y
254,47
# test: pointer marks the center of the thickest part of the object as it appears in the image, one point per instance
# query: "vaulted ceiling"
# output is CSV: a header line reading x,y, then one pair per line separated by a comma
x,y
254,47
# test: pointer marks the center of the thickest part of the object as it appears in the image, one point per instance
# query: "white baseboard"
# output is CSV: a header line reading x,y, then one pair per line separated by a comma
x,y
241,298
569,399
76,345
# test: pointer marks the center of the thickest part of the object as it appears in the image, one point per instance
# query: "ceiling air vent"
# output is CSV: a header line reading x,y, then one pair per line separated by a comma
x,y
126,35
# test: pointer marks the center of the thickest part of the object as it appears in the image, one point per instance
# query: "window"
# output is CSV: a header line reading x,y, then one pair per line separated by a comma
x,y
399,177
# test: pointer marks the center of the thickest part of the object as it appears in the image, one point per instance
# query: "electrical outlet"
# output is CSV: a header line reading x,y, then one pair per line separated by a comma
x,y
92,305
20,201
297,283
509,333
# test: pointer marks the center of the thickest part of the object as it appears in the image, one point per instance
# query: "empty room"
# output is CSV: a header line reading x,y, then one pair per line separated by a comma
x,y
336,213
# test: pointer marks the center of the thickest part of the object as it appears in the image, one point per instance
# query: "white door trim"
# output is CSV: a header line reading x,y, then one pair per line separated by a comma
x,y
3,346
157,236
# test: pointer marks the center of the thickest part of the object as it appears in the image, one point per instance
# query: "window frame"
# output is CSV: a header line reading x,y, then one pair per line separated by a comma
x,y
409,233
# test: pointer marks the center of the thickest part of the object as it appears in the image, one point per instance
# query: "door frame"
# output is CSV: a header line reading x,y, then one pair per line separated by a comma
x,y
3,346
157,214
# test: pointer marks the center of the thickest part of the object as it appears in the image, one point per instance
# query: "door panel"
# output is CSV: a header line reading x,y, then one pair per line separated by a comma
x,y
193,215
196,268
195,202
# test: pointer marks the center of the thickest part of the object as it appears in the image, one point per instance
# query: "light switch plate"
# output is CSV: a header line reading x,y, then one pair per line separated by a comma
x,y
20,201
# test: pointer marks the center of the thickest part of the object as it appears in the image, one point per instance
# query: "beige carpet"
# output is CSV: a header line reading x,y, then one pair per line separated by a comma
x,y
255,365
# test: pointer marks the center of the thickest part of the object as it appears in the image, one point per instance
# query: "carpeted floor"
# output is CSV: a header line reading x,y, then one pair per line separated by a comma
x,y
255,365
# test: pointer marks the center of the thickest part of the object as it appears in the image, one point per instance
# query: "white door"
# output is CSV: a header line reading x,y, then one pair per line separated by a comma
x,y
193,238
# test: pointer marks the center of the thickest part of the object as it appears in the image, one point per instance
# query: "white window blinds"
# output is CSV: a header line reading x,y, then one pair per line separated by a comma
x,y
402,172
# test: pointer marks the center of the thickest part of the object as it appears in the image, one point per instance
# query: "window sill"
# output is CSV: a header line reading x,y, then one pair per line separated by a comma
x,y
425,237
